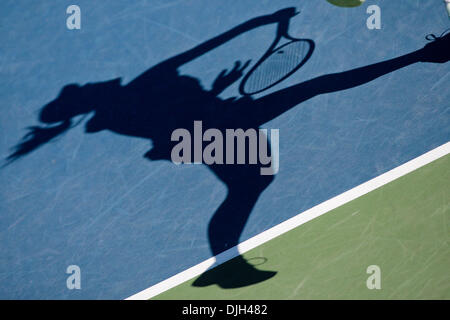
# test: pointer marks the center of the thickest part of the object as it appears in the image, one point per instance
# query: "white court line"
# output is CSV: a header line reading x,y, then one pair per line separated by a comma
x,y
294,222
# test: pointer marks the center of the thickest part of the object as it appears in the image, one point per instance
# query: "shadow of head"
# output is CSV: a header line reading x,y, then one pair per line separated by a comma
x,y
57,116
71,102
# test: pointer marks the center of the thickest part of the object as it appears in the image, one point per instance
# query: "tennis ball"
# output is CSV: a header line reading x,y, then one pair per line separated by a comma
x,y
346,3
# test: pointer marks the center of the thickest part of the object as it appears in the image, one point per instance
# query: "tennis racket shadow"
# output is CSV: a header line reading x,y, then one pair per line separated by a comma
x,y
279,62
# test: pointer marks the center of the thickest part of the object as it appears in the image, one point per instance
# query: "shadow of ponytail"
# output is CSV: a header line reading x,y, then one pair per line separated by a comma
x,y
36,137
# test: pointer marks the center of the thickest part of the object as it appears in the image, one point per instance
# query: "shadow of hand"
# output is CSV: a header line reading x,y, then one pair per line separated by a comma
x,y
438,50
225,79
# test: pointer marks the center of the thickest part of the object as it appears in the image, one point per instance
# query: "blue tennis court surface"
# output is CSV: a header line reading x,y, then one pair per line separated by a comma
x,y
92,199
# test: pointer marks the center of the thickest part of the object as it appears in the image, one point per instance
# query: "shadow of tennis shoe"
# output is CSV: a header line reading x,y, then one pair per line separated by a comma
x,y
438,50
236,273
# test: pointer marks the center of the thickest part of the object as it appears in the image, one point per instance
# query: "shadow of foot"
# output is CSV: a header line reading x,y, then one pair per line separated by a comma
x,y
235,273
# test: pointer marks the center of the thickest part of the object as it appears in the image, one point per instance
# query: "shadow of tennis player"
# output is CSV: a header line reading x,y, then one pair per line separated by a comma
x,y
160,100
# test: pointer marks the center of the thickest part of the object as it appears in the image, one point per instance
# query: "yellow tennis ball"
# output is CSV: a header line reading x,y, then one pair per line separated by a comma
x,y
346,3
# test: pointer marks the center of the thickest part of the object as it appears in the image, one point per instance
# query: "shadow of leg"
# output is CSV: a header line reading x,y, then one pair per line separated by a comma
x,y
224,231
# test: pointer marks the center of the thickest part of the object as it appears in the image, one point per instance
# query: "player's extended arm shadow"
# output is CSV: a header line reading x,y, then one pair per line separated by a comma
x,y
160,101
437,51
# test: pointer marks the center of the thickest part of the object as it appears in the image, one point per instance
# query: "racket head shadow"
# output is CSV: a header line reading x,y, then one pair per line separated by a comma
x,y
277,66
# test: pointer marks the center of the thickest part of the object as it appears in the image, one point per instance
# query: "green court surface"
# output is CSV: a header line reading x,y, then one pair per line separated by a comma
x,y
402,227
